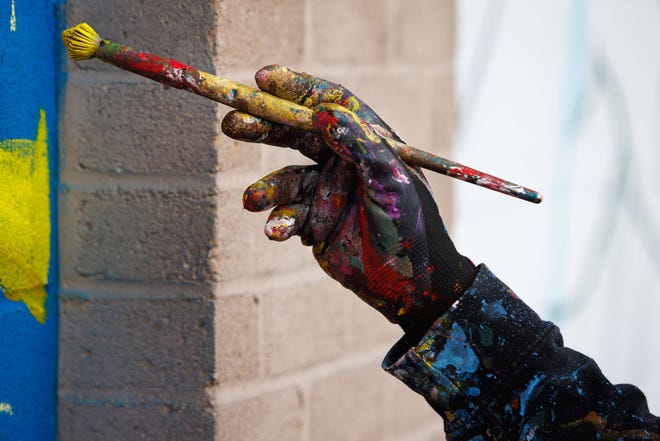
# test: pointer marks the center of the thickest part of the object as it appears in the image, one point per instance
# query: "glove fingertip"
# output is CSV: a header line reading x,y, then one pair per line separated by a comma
x,y
257,196
264,76
245,127
280,229
285,221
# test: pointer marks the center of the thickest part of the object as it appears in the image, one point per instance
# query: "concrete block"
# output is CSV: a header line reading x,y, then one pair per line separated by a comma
x,y
435,435
405,411
85,419
349,32
146,235
303,326
348,405
256,160
424,31
403,102
276,416
244,251
367,327
443,116
252,34
163,347
274,158
237,338
142,128
184,30
235,155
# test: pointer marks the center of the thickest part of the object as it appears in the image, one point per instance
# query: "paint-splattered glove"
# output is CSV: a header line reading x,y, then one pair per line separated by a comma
x,y
370,218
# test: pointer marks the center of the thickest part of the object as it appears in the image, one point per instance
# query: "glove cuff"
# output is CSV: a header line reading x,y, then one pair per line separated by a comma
x,y
451,283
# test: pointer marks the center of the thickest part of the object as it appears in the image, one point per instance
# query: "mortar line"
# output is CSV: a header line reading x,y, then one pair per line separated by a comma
x,y
279,281
238,180
306,413
88,182
78,76
133,290
127,397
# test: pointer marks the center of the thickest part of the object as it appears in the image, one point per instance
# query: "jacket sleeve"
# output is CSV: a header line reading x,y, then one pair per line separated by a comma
x,y
495,371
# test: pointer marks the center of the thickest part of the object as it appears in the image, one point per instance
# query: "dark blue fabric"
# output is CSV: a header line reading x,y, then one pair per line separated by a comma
x,y
495,371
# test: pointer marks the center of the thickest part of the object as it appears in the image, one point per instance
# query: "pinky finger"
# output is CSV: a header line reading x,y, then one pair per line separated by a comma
x,y
286,221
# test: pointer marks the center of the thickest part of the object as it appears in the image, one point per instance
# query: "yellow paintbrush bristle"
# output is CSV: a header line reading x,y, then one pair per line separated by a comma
x,y
81,42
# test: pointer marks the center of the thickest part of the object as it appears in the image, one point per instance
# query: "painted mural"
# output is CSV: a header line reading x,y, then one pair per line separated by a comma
x,y
28,310
25,219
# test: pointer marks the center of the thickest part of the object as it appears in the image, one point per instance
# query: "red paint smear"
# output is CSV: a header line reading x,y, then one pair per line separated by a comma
x,y
164,70
472,175
179,65
381,278
324,122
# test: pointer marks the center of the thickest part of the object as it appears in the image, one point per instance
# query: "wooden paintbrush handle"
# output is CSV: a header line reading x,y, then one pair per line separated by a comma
x,y
264,105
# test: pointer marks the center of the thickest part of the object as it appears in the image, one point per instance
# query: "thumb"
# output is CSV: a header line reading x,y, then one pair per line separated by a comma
x,y
353,140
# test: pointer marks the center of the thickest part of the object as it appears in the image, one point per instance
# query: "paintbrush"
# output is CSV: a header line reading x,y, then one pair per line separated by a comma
x,y
83,43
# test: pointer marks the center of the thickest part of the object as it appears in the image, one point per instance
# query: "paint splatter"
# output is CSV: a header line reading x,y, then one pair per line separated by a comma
x,y
457,353
6,408
12,20
25,220
280,227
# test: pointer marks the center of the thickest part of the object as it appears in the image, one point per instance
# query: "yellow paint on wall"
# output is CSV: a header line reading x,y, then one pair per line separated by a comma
x,y
6,408
25,219
12,20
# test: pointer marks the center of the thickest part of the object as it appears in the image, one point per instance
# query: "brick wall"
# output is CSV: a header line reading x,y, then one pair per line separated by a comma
x,y
179,319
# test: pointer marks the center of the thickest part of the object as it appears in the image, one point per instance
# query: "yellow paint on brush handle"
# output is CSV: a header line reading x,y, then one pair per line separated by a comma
x,y
25,219
256,102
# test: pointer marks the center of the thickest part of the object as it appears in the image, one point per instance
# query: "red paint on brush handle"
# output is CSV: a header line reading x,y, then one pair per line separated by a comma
x,y
164,70
482,179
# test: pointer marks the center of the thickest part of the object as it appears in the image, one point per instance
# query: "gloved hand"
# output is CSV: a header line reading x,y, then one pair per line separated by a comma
x,y
370,218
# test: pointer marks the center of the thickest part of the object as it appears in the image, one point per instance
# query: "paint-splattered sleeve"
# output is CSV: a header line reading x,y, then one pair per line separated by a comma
x,y
495,371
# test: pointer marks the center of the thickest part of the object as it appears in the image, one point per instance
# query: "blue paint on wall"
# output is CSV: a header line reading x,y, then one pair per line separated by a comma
x,y
29,65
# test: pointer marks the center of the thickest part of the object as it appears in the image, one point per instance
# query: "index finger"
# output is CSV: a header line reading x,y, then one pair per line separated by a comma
x,y
245,127
311,91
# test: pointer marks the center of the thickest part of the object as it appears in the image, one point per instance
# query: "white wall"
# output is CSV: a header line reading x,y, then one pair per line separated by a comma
x,y
564,96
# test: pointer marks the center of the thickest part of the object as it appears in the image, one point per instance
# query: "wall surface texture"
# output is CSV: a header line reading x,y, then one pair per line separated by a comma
x,y
28,141
179,319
